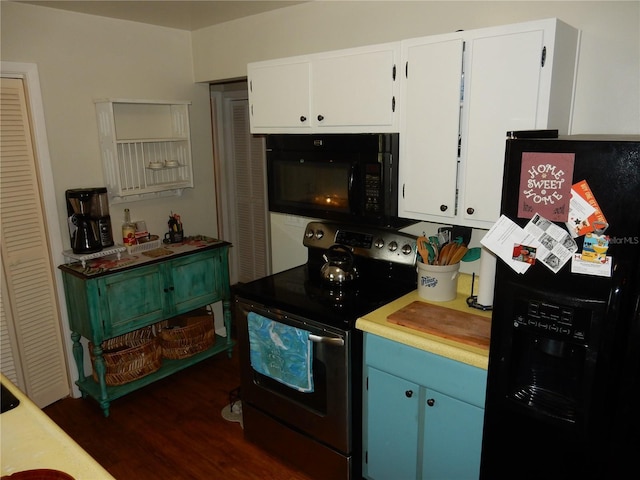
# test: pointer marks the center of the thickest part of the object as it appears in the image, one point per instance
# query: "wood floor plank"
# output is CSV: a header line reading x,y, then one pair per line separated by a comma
x,y
172,429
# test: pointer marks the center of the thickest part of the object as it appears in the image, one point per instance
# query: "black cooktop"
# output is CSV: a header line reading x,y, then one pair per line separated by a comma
x,y
300,291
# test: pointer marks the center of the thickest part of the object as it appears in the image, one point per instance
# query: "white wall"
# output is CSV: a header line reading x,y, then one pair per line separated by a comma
x,y
608,85
81,58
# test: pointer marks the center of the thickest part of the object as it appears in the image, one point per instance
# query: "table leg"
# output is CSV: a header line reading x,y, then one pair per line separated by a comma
x,y
101,369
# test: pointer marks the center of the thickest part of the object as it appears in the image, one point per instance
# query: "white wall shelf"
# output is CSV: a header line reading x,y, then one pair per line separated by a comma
x,y
146,148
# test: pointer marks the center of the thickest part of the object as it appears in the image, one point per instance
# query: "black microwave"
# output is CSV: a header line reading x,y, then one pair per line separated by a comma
x,y
341,177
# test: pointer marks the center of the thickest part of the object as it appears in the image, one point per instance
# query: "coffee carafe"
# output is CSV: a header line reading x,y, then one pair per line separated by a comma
x,y
99,210
82,229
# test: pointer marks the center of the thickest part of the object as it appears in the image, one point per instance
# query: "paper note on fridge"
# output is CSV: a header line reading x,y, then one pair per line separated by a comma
x,y
556,245
552,244
585,215
502,237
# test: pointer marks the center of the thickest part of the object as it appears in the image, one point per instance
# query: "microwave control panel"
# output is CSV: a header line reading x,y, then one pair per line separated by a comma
x,y
373,201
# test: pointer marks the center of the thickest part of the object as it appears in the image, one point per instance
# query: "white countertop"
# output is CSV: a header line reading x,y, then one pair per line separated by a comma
x,y
376,323
31,440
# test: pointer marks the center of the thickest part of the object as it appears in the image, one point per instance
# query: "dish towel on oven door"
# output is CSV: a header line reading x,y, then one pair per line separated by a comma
x,y
281,352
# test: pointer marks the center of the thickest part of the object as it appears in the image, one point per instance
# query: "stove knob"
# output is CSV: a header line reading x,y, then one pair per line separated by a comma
x,y
309,233
379,243
406,249
393,246
319,234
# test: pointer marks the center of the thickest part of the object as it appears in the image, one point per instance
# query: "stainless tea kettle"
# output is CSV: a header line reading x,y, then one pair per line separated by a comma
x,y
339,268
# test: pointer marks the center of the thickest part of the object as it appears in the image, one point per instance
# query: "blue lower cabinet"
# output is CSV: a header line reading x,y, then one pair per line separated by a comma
x,y
452,432
422,414
392,419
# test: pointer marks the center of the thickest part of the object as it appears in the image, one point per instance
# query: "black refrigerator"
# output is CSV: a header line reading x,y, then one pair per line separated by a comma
x,y
563,389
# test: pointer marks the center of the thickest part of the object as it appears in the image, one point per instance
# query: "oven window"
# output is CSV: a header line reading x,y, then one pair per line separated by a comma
x,y
317,185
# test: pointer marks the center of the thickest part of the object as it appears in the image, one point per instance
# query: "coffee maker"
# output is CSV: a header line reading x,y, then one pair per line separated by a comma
x,y
88,219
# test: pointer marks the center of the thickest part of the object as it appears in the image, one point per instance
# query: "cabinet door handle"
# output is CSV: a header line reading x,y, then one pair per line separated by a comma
x,y
443,208
408,393
320,118
431,402
167,290
470,211
303,118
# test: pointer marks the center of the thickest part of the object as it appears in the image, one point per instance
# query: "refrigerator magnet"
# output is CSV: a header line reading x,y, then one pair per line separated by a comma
x,y
545,185
583,267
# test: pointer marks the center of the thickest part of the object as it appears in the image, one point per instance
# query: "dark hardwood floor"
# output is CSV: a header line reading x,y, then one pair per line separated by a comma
x,y
172,429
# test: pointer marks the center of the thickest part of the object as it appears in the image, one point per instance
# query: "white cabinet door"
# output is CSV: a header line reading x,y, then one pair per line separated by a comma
x,y
503,84
516,77
279,95
344,91
430,113
520,77
355,88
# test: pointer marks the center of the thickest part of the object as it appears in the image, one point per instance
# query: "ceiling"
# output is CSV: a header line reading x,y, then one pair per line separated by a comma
x,y
181,14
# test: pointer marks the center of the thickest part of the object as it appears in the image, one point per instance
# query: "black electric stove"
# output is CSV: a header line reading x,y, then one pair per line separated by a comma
x,y
385,261
319,431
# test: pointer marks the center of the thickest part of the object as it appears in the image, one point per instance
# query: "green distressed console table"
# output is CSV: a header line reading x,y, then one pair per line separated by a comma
x,y
111,296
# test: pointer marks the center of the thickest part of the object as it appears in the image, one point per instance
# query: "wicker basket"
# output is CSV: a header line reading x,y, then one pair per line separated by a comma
x,y
129,356
184,336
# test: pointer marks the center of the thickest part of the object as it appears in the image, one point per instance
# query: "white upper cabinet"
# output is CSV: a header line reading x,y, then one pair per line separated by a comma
x,y
356,88
345,91
430,118
514,77
279,94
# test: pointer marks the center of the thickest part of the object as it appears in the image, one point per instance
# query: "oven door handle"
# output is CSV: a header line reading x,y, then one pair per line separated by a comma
x,y
330,340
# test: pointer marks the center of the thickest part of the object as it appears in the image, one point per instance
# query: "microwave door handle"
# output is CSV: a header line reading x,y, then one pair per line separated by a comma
x,y
329,340
352,174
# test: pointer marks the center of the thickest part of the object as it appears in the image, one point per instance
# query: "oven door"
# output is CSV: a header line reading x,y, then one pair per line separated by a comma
x,y
323,414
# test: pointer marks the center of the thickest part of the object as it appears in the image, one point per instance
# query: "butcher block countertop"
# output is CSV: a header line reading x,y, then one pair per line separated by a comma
x,y
450,329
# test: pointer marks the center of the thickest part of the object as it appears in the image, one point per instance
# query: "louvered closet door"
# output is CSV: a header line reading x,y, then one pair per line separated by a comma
x,y
30,309
250,196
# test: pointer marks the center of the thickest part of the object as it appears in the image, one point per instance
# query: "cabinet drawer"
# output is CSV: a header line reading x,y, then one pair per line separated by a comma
x,y
458,380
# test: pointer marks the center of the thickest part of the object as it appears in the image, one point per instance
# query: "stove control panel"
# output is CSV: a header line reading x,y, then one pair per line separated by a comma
x,y
370,242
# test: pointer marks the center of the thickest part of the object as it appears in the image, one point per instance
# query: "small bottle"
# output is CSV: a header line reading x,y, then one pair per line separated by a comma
x,y
128,229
